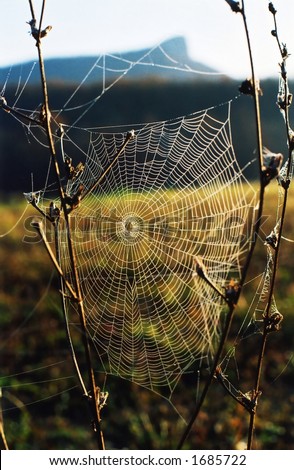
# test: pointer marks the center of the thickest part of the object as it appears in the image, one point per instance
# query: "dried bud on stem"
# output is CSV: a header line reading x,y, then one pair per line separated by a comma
x,y
232,291
235,6
271,165
35,31
247,87
272,8
273,322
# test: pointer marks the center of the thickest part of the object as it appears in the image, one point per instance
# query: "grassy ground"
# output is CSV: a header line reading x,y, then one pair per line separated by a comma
x,y
42,404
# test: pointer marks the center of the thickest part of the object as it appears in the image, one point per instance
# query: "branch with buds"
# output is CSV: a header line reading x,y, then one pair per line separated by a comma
x,y
36,33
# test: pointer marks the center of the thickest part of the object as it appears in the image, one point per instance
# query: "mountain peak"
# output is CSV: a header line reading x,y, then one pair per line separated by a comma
x,y
177,47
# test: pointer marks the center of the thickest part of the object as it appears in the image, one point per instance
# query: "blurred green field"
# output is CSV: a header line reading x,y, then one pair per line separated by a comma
x,y
42,404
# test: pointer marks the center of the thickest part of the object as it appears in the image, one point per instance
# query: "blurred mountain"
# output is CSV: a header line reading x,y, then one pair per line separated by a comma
x,y
166,62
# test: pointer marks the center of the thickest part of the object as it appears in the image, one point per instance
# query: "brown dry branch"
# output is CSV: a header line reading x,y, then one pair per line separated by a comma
x,y
4,444
272,321
93,395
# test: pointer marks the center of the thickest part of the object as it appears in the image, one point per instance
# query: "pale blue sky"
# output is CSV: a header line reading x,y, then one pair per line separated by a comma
x,y
213,33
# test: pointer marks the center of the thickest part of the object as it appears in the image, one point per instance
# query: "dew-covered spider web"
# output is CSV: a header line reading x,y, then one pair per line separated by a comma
x,y
148,205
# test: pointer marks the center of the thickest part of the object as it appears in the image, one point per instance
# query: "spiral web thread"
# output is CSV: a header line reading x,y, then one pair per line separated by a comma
x,y
174,194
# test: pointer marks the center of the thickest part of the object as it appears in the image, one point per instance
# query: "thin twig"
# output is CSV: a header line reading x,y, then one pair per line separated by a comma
x,y
4,445
266,316
94,390
32,10
41,18
242,399
200,271
258,219
34,203
16,112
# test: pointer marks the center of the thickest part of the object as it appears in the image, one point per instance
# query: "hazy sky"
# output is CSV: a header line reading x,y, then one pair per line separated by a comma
x,y
214,34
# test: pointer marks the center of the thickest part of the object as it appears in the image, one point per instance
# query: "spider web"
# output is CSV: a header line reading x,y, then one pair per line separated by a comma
x,y
152,207
174,194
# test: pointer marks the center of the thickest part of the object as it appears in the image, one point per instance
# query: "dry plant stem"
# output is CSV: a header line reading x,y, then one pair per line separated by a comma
x,y
259,151
277,248
43,213
93,395
266,318
261,195
4,445
18,113
257,223
221,380
255,97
